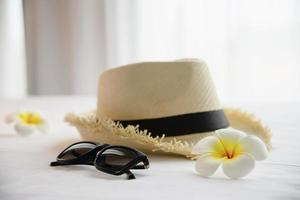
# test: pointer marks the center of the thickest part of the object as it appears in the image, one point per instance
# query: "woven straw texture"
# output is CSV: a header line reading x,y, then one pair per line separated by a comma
x,y
156,89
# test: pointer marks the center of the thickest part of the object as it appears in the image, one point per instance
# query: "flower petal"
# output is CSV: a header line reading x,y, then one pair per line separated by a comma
x,y
239,166
230,134
24,129
10,118
254,146
229,138
206,165
43,127
209,144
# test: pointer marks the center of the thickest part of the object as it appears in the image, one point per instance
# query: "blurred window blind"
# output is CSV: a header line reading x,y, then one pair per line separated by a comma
x,y
12,49
252,47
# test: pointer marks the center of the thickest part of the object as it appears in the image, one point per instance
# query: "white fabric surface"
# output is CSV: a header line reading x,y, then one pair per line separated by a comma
x,y
25,172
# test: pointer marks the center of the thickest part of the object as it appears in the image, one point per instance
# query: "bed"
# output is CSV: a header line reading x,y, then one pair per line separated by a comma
x,y
25,172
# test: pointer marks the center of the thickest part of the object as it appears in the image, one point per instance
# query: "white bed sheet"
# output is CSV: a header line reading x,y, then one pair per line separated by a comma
x,y
25,172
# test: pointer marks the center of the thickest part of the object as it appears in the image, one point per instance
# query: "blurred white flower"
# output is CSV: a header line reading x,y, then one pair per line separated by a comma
x,y
235,150
28,121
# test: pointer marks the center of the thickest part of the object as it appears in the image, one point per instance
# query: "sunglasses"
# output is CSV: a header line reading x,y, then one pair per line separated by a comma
x,y
115,160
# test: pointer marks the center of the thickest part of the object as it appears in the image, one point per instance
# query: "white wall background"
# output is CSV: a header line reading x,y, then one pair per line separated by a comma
x,y
251,46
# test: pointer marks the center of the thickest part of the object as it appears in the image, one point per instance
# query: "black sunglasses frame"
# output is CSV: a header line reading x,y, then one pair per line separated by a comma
x,y
90,157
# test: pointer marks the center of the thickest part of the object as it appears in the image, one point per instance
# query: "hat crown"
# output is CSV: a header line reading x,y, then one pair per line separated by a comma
x,y
156,89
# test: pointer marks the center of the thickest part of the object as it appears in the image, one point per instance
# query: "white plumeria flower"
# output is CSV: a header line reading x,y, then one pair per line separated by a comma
x,y
28,121
235,150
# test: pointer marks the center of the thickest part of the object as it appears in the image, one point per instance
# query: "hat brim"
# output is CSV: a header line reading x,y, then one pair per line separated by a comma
x,y
103,130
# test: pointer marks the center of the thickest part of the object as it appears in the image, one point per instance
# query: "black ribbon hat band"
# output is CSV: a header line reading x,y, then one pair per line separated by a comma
x,y
185,124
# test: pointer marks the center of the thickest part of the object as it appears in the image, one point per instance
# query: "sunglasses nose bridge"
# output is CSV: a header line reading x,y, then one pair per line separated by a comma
x,y
97,157
98,154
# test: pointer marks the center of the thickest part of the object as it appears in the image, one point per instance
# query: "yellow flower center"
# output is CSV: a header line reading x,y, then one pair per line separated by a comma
x,y
29,118
226,148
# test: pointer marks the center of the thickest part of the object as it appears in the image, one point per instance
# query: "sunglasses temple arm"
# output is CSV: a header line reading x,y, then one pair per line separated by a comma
x,y
130,175
55,163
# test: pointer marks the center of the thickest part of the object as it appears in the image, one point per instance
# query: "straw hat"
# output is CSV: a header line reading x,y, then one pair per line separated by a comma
x,y
160,107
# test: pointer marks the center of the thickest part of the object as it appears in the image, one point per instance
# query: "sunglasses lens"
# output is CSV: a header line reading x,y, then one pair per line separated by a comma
x,y
115,158
76,150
